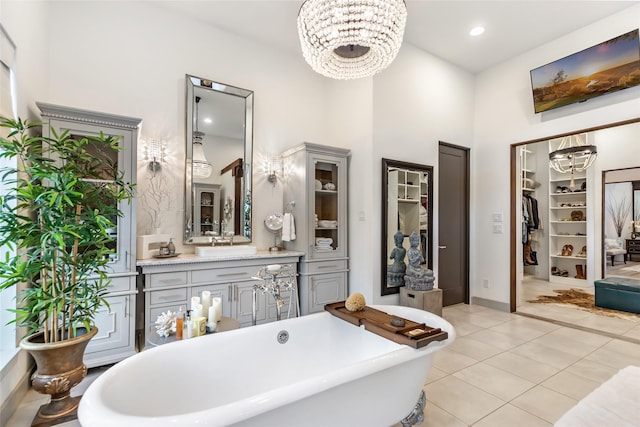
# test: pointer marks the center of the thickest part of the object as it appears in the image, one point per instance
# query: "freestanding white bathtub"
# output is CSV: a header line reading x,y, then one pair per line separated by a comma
x,y
328,373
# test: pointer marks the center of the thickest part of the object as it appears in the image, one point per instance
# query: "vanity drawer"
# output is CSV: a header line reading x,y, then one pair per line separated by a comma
x,y
158,280
326,266
169,295
224,275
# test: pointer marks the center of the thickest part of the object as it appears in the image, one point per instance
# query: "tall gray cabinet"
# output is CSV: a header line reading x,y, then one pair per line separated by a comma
x,y
315,192
116,323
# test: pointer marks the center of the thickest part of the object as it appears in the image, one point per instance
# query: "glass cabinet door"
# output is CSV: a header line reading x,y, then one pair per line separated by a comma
x,y
328,218
112,162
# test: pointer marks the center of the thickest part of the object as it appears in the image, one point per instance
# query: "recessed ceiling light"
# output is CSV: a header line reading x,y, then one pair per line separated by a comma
x,y
476,31
207,120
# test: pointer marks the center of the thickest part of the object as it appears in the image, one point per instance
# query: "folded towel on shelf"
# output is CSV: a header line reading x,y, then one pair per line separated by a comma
x,y
324,241
324,248
288,228
327,223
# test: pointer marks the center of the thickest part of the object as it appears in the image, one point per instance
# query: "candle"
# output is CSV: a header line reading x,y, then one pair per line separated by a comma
x,y
212,315
217,306
197,312
194,301
205,301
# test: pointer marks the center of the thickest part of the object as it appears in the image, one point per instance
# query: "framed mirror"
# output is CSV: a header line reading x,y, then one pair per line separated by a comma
x,y
407,207
219,143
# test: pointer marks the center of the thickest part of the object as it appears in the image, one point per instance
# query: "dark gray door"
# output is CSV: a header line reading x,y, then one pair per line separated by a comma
x,y
453,223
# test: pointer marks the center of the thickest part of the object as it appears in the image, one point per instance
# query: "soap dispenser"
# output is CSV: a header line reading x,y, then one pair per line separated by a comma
x,y
189,325
172,247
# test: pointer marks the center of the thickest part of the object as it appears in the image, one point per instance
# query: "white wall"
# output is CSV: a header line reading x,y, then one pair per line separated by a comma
x,y
139,71
418,101
504,115
130,58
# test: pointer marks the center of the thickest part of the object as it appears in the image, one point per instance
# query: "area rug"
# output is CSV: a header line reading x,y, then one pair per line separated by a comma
x,y
582,300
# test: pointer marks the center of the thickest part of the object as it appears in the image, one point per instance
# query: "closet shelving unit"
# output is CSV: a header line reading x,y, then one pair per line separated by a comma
x,y
526,172
563,230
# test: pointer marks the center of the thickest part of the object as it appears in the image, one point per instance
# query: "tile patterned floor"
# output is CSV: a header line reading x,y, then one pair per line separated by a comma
x,y
503,370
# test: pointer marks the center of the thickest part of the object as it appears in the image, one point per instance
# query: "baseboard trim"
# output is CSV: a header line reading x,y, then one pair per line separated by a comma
x,y
489,303
12,402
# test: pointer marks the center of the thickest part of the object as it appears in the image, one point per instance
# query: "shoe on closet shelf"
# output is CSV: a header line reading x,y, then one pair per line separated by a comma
x,y
567,250
583,252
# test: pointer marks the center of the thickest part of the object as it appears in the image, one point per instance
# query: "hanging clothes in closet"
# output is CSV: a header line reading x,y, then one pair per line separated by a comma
x,y
530,222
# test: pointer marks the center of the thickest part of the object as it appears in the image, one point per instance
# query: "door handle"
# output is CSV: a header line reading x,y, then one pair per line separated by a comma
x,y
442,247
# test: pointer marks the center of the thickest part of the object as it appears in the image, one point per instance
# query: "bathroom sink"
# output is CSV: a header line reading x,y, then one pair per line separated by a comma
x,y
225,251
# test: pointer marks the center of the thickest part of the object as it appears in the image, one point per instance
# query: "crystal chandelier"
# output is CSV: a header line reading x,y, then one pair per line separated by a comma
x,y
573,155
350,39
201,166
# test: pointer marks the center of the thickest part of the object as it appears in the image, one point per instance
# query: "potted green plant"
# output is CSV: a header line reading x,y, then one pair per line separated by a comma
x,y
58,215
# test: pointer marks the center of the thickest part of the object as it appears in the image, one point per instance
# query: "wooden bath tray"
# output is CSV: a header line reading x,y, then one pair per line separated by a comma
x,y
413,334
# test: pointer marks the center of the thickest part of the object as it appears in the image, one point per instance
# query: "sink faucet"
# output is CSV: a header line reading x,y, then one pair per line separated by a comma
x,y
275,279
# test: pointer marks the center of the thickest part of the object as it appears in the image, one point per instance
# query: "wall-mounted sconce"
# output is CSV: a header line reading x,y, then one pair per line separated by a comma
x,y
273,169
154,151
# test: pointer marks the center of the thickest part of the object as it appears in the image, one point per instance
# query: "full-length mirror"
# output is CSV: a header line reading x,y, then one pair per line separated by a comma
x,y
219,138
407,208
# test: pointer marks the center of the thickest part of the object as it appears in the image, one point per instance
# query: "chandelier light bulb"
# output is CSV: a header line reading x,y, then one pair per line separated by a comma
x,y
351,39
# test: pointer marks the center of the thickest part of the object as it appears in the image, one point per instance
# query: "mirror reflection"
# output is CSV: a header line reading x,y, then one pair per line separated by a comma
x,y
218,162
406,211
619,224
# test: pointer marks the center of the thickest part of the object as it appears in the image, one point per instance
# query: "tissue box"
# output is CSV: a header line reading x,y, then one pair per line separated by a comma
x,y
148,244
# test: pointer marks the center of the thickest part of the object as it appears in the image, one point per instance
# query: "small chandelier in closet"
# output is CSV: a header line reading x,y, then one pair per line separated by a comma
x,y
201,166
573,155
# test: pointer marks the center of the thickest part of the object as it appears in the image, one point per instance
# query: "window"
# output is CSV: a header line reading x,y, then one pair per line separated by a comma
x,y
8,108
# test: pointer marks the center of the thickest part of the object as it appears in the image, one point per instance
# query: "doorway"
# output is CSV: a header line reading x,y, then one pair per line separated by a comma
x,y
453,223
533,283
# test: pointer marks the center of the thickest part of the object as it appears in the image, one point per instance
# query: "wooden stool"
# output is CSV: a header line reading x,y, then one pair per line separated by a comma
x,y
430,301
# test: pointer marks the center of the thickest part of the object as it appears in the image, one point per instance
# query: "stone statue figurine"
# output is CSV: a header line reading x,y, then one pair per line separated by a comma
x,y
417,277
396,271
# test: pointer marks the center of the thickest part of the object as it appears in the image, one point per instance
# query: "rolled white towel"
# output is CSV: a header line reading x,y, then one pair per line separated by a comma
x,y
324,241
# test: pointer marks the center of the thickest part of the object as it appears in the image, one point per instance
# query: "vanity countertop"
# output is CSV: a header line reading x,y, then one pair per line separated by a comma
x,y
195,259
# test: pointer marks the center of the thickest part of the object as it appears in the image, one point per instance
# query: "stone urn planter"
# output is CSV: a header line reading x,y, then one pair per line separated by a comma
x,y
59,368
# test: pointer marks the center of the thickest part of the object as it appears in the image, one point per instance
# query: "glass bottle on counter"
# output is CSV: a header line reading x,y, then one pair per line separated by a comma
x,y
179,323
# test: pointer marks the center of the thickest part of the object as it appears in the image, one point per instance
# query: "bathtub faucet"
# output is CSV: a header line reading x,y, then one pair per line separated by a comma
x,y
275,279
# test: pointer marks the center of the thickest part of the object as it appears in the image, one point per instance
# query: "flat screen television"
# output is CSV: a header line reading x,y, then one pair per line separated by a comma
x,y
607,67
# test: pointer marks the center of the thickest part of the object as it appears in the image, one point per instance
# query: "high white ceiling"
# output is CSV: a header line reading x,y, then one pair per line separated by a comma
x,y
439,27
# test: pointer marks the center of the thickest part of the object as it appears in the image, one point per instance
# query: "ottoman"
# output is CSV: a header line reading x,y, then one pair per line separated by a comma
x,y
618,293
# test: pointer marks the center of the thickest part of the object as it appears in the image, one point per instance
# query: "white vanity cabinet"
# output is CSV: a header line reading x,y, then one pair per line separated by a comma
x,y
116,324
170,283
315,187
